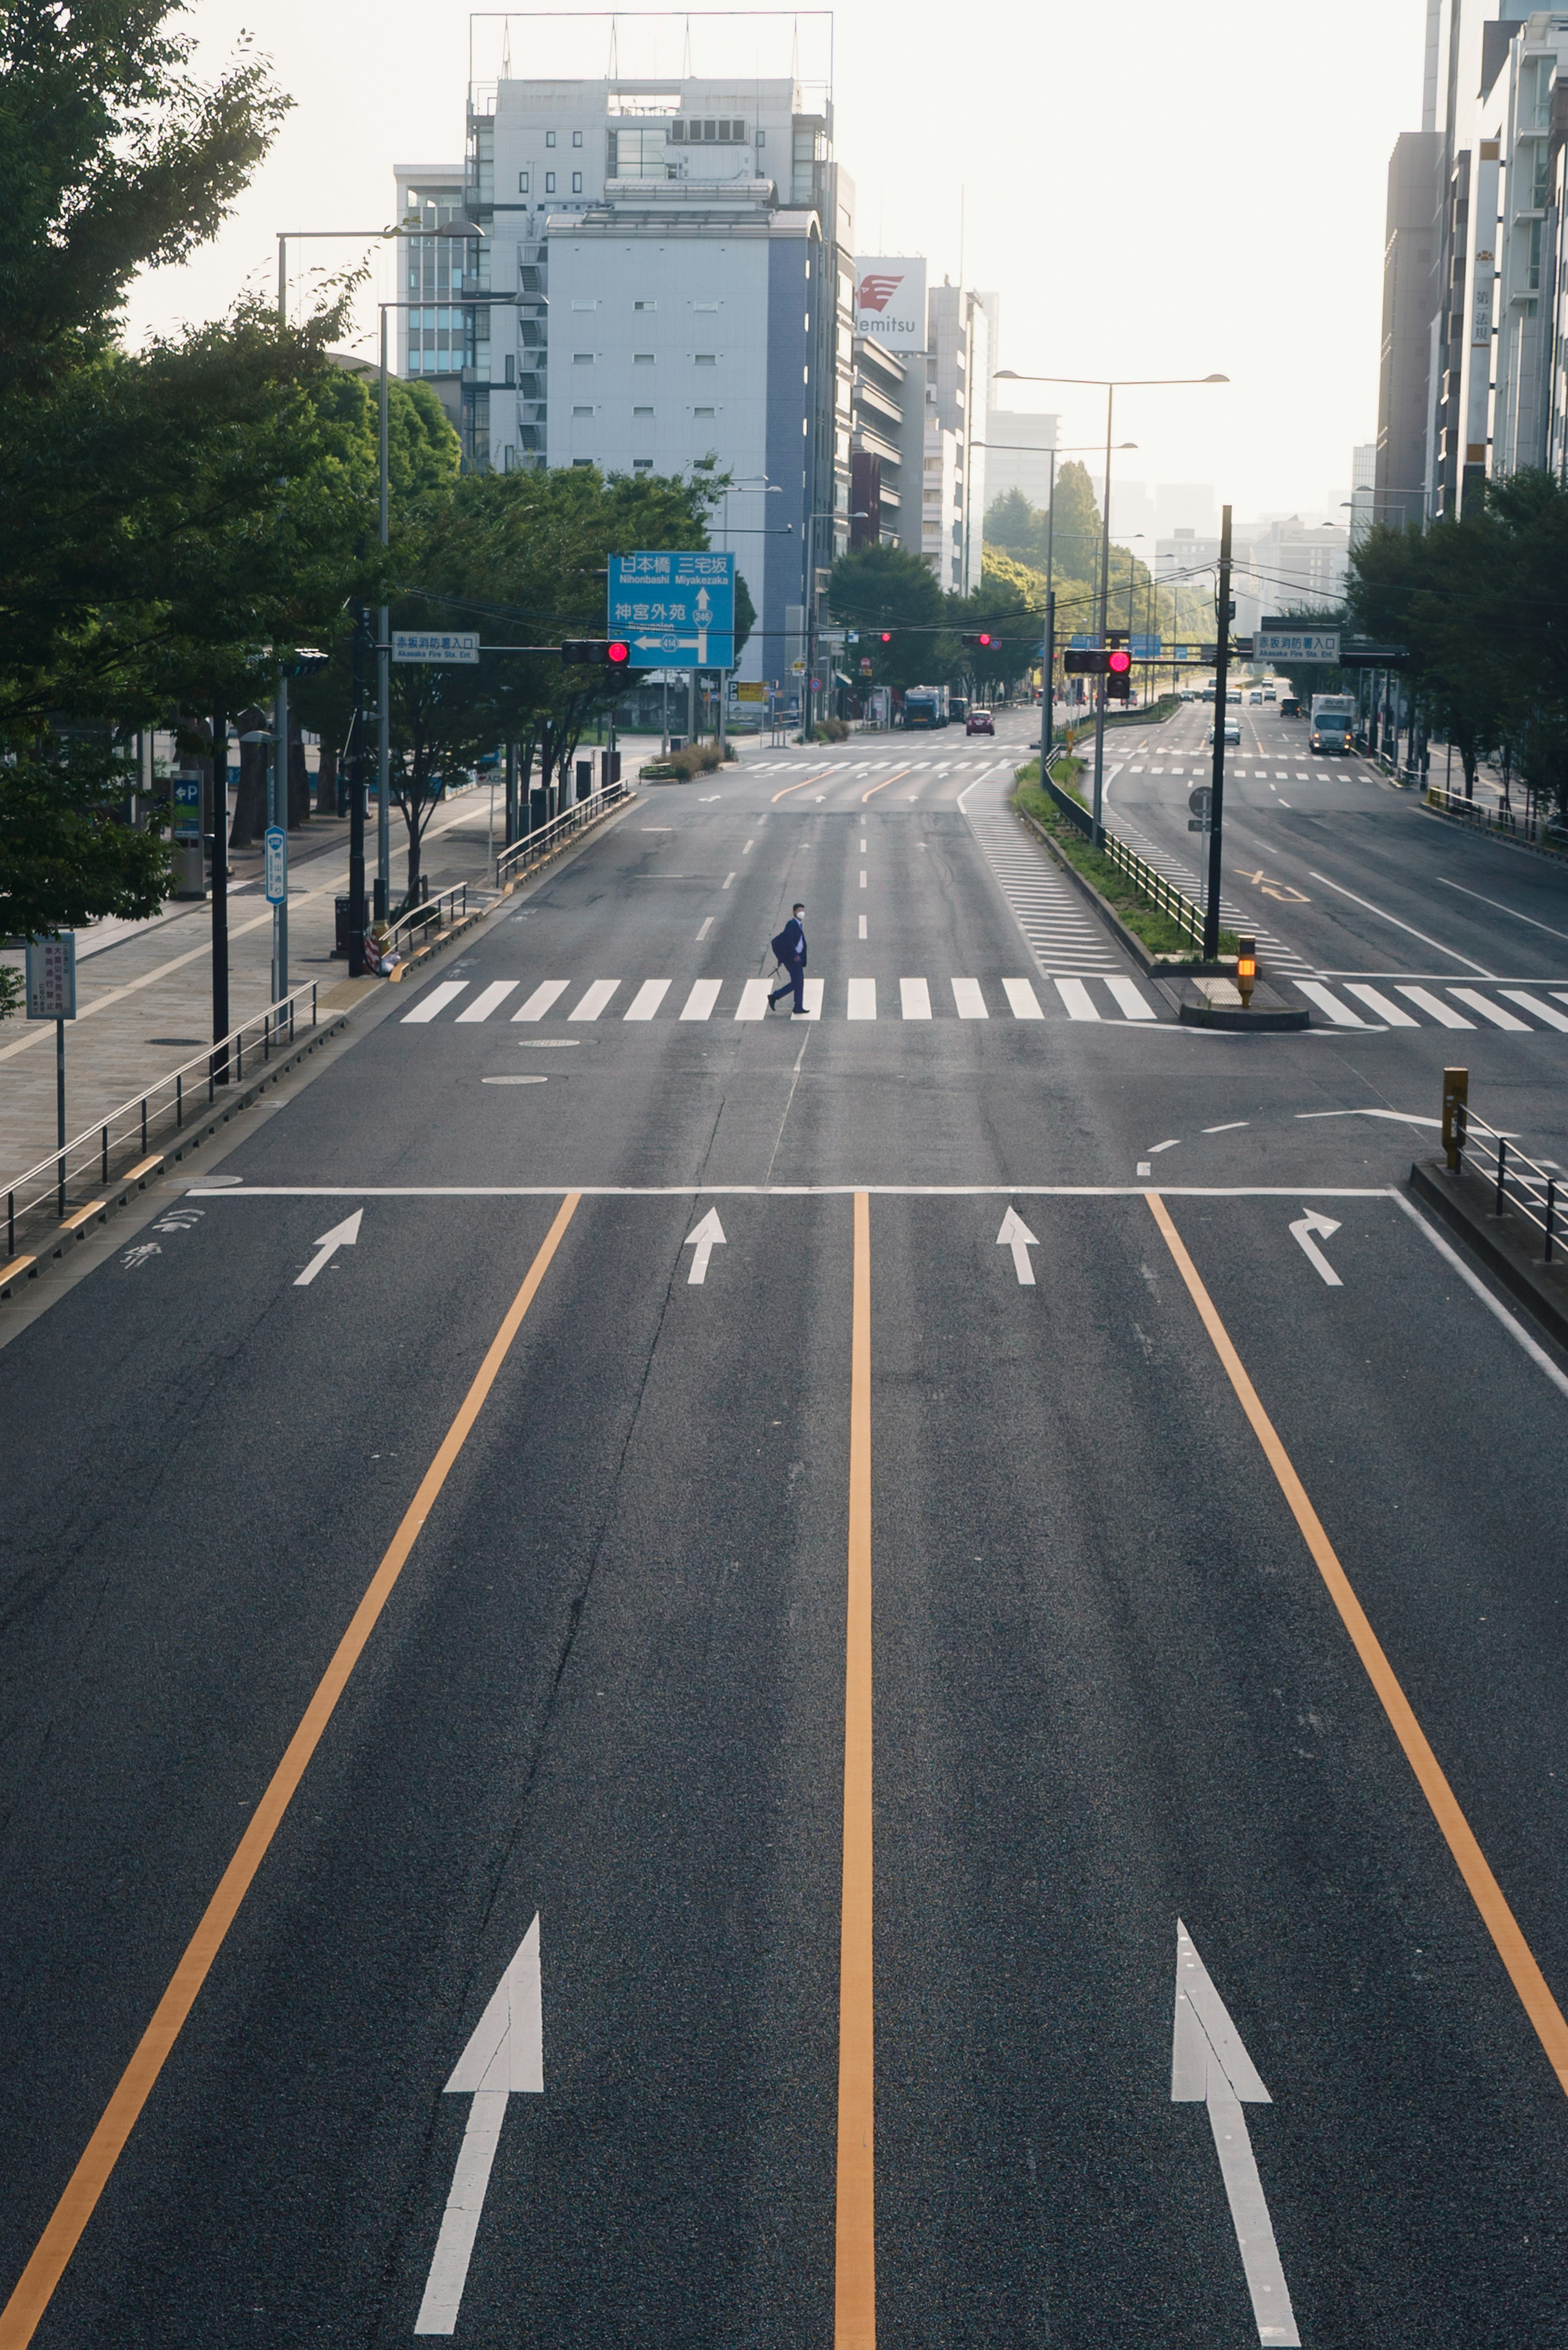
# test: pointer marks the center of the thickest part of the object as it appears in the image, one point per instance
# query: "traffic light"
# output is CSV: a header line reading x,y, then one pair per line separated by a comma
x,y
1118,674
984,642
886,636
603,652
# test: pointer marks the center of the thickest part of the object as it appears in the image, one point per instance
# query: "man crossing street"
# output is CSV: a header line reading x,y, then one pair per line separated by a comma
x,y
789,947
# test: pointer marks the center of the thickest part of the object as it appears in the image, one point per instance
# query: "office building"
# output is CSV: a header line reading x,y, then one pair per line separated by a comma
x,y
959,363
1363,508
1017,446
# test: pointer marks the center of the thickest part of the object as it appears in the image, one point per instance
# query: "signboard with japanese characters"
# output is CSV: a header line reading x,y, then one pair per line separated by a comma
x,y
52,977
675,607
1295,640
435,645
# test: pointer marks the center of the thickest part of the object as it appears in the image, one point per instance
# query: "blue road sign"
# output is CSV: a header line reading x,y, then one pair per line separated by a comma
x,y
674,608
1145,647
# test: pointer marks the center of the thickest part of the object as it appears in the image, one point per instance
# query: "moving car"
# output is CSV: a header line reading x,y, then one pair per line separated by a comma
x,y
978,722
1232,730
1290,707
1256,696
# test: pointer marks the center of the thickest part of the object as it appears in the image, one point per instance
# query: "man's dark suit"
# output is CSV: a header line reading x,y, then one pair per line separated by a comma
x,y
790,948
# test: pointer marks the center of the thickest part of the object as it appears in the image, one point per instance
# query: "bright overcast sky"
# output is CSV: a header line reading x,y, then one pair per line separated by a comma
x,y
1152,190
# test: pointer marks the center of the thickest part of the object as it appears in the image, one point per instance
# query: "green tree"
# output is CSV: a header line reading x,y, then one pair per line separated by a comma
x,y
1003,608
878,589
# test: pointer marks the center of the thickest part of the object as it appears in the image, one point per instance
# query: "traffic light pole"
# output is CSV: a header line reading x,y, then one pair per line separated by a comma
x,y
357,805
1048,663
1100,833
1217,803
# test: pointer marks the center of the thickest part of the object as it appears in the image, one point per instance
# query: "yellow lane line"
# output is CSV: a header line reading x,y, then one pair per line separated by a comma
x,y
1485,1891
855,2266
800,787
896,774
36,2286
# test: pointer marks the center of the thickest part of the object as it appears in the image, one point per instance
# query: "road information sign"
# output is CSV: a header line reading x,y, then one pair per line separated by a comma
x,y
435,645
1295,640
274,863
675,607
52,977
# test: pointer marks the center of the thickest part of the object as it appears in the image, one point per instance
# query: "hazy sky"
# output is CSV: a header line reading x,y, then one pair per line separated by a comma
x,y
1152,190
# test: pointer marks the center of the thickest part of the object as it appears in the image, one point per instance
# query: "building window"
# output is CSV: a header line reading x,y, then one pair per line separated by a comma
x,y
576,137
511,367
705,411
582,412
642,359
549,184
582,359
549,138
642,465
642,412
645,306
577,184
704,305
706,358
582,460
523,189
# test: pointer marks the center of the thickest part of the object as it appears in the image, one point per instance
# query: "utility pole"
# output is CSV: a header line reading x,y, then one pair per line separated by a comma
x,y
357,805
280,820
220,839
384,682
1049,664
1217,803
1099,832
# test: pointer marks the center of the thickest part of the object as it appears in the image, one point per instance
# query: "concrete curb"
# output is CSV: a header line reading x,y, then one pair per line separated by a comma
x,y
1505,1244
1242,1016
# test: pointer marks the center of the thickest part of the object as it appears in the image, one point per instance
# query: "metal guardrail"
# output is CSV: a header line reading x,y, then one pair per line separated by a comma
x,y
1517,1180
1534,830
536,848
127,1131
418,918
1160,892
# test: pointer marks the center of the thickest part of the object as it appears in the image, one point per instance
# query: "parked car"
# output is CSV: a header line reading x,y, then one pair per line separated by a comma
x,y
1232,730
978,722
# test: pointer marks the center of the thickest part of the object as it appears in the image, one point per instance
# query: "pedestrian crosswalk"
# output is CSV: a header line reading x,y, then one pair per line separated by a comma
x,y
1063,933
842,770
638,1002
1407,1004
1202,772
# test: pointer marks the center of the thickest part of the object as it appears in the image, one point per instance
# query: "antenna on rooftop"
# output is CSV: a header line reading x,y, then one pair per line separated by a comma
x,y
615,54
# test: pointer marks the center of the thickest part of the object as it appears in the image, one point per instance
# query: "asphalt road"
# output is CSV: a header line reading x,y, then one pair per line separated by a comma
x,y
862,1637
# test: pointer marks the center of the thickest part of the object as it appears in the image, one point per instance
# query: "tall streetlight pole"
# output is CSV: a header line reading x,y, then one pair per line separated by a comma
x,y
1048,633
1110,385
826,514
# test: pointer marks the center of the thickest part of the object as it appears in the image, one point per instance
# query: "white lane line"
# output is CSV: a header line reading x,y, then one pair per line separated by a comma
x,y
1498,906
1488,1010
863,848
1384,1005
1340,1013
1303,1231
915,1000
698,1005
702,1239
1208,2064
862,925
704,930
728,878
1234,1127
505,2057
1133,1004
1080,1004
489,1000
1470,963
863,877
1154,1148
1494,1306
539,1003
1433,1005
1533,1004
747,844
968,1000
1023,1002
862,999
1401,1116
593,1000
1016,1235
646,1000
812,992
753,1003
436,1001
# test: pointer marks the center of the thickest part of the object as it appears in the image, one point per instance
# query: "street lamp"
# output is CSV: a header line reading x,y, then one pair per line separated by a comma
x,y
1048,635
1110,385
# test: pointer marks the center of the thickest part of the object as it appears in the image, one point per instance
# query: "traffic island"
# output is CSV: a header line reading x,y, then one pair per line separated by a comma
x,y
1207,1001
1507,1244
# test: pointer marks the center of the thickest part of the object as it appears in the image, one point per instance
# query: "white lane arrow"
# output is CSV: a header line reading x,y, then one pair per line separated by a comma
x,y
1209,2066
708,1236
343,1235
1303,1231
505,2056
1016,1235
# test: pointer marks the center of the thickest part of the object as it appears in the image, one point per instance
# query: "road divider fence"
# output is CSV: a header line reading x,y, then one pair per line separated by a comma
x,y
1534,831
1146,879
536,848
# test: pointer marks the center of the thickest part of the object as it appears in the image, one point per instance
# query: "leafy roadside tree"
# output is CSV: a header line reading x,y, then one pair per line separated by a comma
x,y
885,588
1003,608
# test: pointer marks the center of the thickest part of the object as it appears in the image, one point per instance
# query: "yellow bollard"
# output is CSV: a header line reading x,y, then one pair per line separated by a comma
x,y
1246,968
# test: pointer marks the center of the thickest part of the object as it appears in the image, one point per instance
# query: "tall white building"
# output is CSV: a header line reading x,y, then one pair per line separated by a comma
x,y
1363,490
673,260
1018,442
960,362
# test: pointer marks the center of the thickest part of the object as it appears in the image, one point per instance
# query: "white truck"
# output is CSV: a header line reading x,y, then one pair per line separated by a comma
x,y
1332,723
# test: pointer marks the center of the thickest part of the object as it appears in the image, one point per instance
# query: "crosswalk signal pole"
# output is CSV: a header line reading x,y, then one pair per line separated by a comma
x,y
1217,807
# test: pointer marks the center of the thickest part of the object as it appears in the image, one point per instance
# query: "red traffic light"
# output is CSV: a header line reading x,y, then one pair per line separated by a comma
x,y
886,636
985,639
617,655
1118,661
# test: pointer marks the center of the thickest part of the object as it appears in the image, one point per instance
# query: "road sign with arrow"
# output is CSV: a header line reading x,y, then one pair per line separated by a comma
x,y
1016,1235
505,2057
343,1235
708,1236
1303,1231
676,607
1208,2065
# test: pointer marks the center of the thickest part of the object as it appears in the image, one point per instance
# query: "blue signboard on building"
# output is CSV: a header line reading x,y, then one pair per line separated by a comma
x,y
675,607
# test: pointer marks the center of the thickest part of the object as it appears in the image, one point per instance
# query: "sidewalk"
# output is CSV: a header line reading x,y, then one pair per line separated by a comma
x,y
144,994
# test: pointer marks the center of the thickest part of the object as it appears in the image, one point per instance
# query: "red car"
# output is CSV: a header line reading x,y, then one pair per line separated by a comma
x,y
978,722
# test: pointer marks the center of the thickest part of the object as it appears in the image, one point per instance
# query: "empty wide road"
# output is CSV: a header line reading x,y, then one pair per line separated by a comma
x,y
624,1763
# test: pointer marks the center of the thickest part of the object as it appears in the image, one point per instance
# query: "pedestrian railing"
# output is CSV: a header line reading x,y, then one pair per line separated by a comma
x,y
1146,879
111,1144
537,848
1517,1180
1500,818
434,913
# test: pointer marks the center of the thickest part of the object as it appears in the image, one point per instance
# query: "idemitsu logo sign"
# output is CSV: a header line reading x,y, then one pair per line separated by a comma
x,y
890,304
